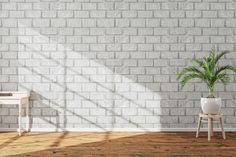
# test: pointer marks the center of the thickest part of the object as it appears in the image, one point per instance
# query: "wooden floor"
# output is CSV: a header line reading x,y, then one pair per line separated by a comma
x,y
115,144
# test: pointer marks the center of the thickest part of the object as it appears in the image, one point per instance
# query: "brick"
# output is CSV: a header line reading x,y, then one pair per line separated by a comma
x,y
9,23
209,14
137,6
97,14
73,6
4,13
186,22
202,23
152,39
89,6
230,22
217,6
129,14
169,6
177,14
41,23
81,14
113,47
129,111
161,14
56,6
58,23
32,14
225,14
177,111
9,6
65,14
88,23
153,6
152,23
97,112
168,119
137,23
106,6
169,87
217,23
186,119
16,14
105,23
122,23
24,6
41,6
145,14
49,14
193,14
169,23
113,14
202,6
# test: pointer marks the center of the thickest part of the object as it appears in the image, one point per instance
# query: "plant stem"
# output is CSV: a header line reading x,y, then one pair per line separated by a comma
x,y
211,93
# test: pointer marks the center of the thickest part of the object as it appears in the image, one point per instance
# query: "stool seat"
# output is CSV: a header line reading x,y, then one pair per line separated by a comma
x,y
209,118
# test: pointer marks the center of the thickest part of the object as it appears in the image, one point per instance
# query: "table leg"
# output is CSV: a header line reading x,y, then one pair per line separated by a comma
x,y
19,120
209,128
27,117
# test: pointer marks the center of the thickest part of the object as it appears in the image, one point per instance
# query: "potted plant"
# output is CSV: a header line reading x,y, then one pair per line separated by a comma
x,y
210,72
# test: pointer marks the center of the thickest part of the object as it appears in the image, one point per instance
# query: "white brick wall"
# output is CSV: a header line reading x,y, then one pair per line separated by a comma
x,y
112,64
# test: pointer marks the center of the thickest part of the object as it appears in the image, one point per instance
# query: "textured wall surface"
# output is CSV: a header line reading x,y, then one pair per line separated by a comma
x,y
108,64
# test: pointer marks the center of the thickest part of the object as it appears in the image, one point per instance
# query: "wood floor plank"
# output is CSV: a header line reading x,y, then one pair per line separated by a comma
x,y
120,144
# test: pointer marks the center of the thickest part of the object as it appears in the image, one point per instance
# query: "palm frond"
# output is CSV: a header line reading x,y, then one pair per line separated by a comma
x,y
212,60
189,70
221,55
187,78
206,67
197,62
224,68
224,78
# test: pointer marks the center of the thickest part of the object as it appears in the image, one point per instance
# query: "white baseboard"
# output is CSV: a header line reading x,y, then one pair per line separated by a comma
x,y
116,129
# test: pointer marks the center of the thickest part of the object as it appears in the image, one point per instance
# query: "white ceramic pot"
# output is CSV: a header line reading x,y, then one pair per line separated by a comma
x,y
211,105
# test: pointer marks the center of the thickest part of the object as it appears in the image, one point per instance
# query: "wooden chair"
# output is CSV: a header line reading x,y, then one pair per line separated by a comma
x,y
210,118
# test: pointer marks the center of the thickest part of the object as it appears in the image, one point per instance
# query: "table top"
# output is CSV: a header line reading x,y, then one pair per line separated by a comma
x,y
210,115
13,95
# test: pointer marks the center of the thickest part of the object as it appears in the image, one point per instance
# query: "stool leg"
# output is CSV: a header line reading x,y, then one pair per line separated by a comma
x,y
209,128
198,126
222,127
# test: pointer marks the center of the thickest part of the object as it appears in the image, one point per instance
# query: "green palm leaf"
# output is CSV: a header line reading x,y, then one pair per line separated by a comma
x,y
187,78
224,78
198,62
224,68
189,70
221,55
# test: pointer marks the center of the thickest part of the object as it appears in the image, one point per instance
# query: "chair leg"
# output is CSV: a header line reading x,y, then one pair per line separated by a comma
x,y
209,129
198,126
211,126
222,127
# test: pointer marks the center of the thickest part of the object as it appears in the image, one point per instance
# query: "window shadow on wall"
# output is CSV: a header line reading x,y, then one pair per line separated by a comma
x,y
72,83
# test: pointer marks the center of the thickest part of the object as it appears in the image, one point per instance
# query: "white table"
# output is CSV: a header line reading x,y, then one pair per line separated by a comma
x,y
20,98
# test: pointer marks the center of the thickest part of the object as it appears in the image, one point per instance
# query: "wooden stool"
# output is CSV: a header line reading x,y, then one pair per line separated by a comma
x,y
210,118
